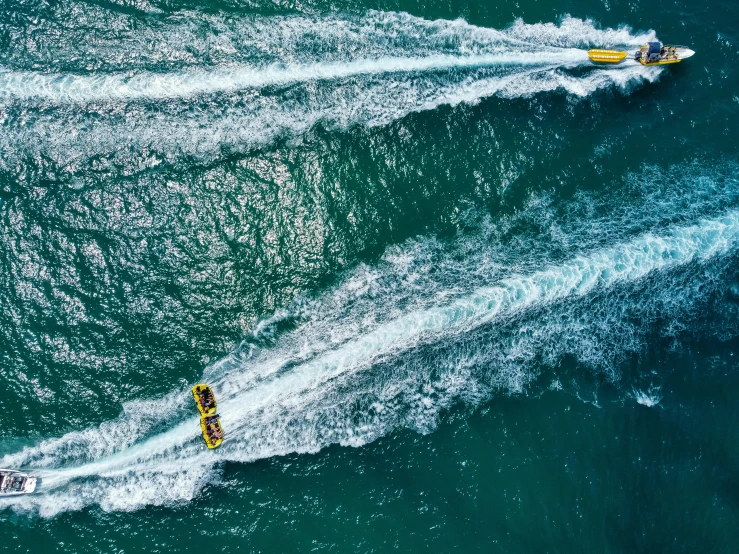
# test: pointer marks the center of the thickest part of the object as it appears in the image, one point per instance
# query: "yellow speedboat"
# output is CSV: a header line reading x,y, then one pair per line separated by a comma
x,y
210,421
656,53
205,399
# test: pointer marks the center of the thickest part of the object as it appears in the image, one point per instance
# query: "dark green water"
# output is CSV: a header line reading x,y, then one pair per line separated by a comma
x,y
455,287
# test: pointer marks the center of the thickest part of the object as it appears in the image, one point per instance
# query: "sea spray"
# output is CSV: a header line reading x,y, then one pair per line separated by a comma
x,y
71,88
136,117
196,40
371,377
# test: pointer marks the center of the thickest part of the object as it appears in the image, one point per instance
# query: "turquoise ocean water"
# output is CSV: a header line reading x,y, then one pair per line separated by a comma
x,y
457,289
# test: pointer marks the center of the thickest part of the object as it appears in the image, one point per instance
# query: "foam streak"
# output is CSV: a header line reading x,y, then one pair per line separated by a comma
x,y
293,410
603,269
276,77
152,86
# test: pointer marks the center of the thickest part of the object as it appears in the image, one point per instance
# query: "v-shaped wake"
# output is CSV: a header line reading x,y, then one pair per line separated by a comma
x,y
301,397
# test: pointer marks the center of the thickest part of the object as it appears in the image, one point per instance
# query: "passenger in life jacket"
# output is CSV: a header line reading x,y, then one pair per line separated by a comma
x,y
212,428
206,399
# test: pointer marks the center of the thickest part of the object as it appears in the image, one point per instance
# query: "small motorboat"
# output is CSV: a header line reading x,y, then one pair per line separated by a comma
x,y
14,482
205,399
212,430
652,53
656,53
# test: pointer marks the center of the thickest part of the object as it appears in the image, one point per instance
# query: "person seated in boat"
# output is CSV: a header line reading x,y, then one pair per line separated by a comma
x,y
215,432
206,399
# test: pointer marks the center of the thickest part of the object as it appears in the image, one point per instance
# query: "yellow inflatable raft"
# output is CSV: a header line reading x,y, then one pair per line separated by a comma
x,y
212,430
205,399
210,421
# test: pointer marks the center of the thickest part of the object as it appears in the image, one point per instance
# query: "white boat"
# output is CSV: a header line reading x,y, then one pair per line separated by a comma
x,y
14,482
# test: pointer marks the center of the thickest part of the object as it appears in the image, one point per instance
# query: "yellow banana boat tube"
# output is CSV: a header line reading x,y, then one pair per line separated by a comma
x,y
607,56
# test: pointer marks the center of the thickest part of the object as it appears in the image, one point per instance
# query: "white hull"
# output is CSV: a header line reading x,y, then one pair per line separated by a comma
x,y
16,483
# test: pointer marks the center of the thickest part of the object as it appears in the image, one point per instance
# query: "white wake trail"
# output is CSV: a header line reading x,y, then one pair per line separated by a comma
x,y
212,87
581,276
315,403
157,86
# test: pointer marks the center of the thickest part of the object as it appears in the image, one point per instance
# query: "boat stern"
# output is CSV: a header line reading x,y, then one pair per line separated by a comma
x,y
30,485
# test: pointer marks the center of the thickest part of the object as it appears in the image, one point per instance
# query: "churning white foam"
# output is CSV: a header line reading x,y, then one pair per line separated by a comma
x,y
153,86
285,76
350,375
649,398
381,43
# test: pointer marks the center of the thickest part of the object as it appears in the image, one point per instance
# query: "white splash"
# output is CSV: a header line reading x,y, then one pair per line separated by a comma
x,y
649,398
157,86
279,77
302,396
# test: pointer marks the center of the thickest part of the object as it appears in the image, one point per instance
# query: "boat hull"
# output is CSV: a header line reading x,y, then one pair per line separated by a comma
x,y
681,53
10,477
